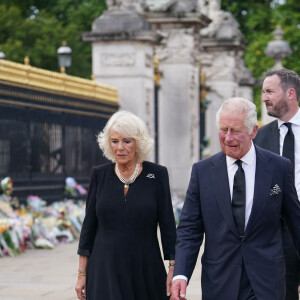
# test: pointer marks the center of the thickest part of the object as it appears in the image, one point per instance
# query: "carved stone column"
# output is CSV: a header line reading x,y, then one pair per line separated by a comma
x,y
247,81
122,45
178,53
226,75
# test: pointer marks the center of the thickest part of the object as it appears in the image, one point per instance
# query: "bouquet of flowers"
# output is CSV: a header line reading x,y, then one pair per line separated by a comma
x,y
36,224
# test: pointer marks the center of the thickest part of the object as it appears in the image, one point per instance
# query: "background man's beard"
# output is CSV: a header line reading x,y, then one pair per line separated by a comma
x,y
279,109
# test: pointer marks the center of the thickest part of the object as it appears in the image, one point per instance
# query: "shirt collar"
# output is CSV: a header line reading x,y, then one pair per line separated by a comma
x,y
247,159
294,120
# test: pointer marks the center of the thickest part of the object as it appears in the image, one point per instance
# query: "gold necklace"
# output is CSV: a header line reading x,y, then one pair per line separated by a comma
x,y
131,179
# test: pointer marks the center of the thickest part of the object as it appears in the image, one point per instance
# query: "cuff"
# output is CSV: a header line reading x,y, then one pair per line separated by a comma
x,y
83,252
170,256
180,277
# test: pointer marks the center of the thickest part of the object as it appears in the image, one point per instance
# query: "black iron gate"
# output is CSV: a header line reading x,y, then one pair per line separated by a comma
x,y
46,136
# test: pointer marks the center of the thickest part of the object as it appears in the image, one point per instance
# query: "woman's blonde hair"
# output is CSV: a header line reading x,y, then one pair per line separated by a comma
x,y
128,125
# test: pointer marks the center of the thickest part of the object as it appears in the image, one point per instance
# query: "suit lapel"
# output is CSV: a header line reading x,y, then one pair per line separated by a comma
x,y
263,180
219,179
274,138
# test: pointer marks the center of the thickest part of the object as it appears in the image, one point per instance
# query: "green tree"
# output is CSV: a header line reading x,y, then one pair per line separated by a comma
x,y
258,19
288,17
36,28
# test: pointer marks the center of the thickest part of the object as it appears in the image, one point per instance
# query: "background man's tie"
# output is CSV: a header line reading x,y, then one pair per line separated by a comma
x,y
239,198
288,149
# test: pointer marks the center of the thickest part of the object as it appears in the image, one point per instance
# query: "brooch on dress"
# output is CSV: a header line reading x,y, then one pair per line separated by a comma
x,y
150,175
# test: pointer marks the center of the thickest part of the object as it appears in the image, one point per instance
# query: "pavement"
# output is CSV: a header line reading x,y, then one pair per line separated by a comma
x,y
40,274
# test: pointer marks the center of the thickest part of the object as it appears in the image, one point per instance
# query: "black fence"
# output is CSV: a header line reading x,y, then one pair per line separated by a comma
x,y
41,146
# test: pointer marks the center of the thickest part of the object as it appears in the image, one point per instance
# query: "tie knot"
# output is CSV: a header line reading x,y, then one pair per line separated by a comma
x,y
288,125
239,163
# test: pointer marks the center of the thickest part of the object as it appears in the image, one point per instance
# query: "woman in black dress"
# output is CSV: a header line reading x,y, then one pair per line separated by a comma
x,y
119,253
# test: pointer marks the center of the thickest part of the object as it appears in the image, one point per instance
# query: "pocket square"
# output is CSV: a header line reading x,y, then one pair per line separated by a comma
x,y
275,190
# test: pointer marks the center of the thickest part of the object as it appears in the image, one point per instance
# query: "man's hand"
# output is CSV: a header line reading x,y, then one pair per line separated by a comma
x,y
179,289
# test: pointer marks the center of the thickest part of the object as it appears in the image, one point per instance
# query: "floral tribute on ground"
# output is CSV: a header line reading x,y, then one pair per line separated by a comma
x,y
37,225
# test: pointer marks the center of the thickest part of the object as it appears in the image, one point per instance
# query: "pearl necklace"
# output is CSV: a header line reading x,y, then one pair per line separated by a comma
x,y
131,179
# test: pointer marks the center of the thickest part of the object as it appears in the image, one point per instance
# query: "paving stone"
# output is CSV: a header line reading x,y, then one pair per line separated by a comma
x,y
40,274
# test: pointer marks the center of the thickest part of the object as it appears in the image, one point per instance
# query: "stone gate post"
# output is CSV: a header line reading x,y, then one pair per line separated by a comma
x,y
122,50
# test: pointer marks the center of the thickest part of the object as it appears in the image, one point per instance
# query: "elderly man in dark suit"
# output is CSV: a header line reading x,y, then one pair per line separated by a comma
x,y
281,93
236,199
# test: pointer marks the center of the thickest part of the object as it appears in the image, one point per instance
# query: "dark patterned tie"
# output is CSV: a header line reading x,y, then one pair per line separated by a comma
x,y
288,149
239,198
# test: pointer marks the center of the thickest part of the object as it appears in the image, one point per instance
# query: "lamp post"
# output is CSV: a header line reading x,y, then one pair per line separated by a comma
x,y
157,77
203,107
64,55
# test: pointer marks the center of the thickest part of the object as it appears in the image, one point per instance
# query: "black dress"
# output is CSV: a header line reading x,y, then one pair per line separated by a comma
x,y
120,235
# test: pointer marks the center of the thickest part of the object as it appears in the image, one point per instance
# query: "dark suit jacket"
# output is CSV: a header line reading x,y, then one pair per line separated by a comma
x,y
207,210
267,137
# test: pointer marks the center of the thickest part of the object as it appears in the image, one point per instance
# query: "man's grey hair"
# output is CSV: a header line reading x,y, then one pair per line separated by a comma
x,y
128,125
241,105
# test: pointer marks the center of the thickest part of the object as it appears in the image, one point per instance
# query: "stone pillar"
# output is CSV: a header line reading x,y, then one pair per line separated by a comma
x,y
179,136
178,53
122,47
221,59
246,82
278,50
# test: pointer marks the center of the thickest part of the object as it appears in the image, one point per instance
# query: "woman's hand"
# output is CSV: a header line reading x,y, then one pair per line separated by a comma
x,y
170,276
169,280
80,288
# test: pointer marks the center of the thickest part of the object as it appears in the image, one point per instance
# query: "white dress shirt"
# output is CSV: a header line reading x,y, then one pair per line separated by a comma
x,y
295,120
249,166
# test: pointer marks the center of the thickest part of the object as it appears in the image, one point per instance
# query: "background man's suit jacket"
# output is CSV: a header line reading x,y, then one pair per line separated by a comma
x,y
267,137
207,209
